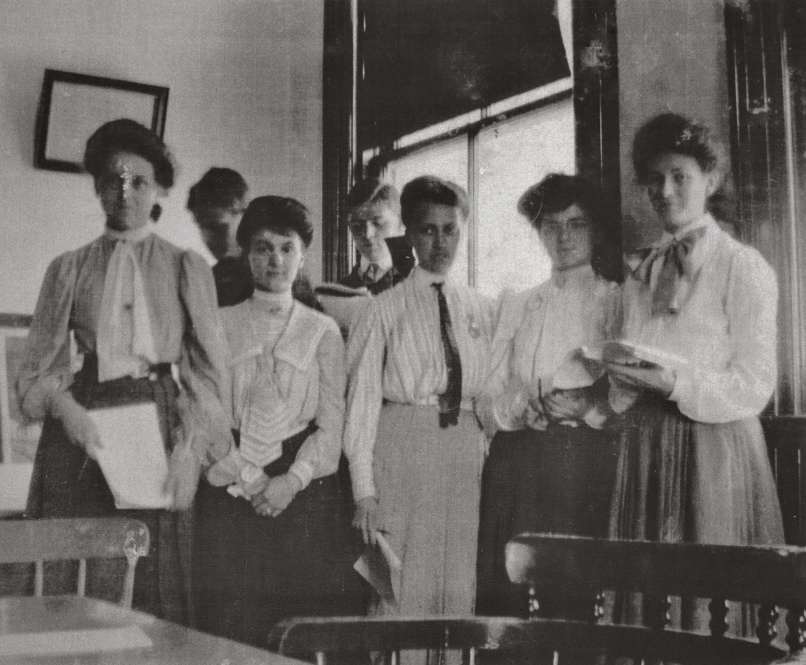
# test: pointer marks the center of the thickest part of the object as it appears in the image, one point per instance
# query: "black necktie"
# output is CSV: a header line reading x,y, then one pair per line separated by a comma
x,y
451,399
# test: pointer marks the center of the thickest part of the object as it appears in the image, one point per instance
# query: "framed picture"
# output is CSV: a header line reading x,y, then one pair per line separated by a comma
x,y
73,106
18,438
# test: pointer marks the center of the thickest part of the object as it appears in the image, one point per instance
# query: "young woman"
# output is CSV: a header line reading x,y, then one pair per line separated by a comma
x,y
693,465
550,467
135,305
280,550
417,358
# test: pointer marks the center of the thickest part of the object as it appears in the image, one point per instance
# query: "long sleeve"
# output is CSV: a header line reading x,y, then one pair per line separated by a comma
x,y
365,355
742,388
46,366
319,455
504,401
203,363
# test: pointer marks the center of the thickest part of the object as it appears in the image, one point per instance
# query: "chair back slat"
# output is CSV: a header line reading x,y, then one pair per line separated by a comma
x,y
728,572
38,541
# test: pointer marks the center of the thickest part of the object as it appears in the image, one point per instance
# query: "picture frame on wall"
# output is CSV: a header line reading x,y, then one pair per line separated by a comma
x,y
73,106
19,438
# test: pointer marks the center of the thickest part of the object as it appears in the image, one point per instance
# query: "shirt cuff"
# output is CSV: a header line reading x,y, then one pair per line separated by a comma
x,y
304,471
363,481
226,470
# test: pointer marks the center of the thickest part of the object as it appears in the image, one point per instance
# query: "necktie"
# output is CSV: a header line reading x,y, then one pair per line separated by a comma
x,y
371,274
451,399
674,256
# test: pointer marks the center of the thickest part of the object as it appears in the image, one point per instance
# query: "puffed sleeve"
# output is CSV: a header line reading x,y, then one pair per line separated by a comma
x,y
46,367
205,405
365,354
742,389
504,402
319,455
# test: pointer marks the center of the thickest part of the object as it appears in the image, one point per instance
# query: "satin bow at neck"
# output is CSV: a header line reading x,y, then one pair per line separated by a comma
x,y
125,341
674,256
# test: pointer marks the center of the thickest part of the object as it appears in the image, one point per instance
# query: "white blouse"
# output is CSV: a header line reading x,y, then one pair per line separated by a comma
x,y
298,354
724,332
395,353
536,332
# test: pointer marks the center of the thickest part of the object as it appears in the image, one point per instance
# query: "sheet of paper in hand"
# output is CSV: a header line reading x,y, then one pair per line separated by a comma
x,y
342,302
133,458
380,566
577,371
623,352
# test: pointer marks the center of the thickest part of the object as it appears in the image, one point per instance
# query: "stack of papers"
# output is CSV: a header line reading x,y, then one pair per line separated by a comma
x,y
342,302
380,566
133,458
623,352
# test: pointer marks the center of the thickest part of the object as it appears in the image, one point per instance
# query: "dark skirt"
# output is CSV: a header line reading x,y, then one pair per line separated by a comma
x,y
253,571
557,481
66,483
679,480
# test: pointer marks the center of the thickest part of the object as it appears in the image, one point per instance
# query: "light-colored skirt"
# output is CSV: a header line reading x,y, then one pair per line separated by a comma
x,y
428,481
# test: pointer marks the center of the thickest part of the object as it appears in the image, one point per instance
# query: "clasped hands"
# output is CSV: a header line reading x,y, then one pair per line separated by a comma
x,y
278,493
558,406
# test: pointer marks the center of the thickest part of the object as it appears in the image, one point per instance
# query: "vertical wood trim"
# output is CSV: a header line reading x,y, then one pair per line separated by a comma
x,y
338,138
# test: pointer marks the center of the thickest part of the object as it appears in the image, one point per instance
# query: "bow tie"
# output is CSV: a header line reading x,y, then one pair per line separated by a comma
x,y
674,256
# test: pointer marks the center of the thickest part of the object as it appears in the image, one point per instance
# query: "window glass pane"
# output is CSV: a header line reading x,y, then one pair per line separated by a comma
x,y
447,160
514,155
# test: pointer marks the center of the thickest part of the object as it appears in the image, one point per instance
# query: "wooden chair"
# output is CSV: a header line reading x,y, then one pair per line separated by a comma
x,y
340,636
771,577
38,541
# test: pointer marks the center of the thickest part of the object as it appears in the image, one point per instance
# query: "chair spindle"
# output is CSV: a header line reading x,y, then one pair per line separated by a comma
x,y
765,631
718,609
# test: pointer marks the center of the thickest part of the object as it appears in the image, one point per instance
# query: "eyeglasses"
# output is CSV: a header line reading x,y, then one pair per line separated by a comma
x,y
574,227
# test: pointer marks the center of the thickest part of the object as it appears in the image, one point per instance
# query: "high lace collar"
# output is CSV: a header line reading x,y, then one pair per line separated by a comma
x,y
130,235
272,303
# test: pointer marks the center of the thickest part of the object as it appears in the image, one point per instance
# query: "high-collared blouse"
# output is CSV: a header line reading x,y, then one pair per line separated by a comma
x,y
395,353
305,360
537,330
186,331
724,333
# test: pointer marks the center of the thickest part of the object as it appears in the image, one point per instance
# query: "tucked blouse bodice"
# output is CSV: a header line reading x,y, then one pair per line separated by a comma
x,y
185,329
724,334
535,334
395,353
297,355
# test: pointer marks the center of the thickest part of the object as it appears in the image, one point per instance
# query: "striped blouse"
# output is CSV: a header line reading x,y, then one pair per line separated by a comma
x,y
395,353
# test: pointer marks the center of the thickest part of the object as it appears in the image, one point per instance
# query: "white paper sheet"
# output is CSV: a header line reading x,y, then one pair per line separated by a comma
x,y
133,458
61,642
380,566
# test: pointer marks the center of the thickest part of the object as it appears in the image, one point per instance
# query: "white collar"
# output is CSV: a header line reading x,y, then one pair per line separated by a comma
x,y
424,279
704,220
268,301
130,235
384,263
560,278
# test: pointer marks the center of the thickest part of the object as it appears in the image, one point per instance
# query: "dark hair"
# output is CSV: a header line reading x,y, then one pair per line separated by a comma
x,y
430,189
557,192
670,132
279,214
220,187
126,135
370,191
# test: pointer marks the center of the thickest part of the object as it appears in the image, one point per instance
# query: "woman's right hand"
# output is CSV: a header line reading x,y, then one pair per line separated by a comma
x,y
78,426
367,517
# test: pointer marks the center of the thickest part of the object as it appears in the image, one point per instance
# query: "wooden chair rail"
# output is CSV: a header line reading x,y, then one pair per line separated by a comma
x,y
331,636
764,575
38,541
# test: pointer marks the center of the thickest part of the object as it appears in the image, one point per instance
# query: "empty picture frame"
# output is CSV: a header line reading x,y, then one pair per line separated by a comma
x,y
73,106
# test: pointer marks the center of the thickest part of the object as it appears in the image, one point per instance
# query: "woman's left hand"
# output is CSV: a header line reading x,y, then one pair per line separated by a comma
x,y
656,379
184,469
280,492
567,404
